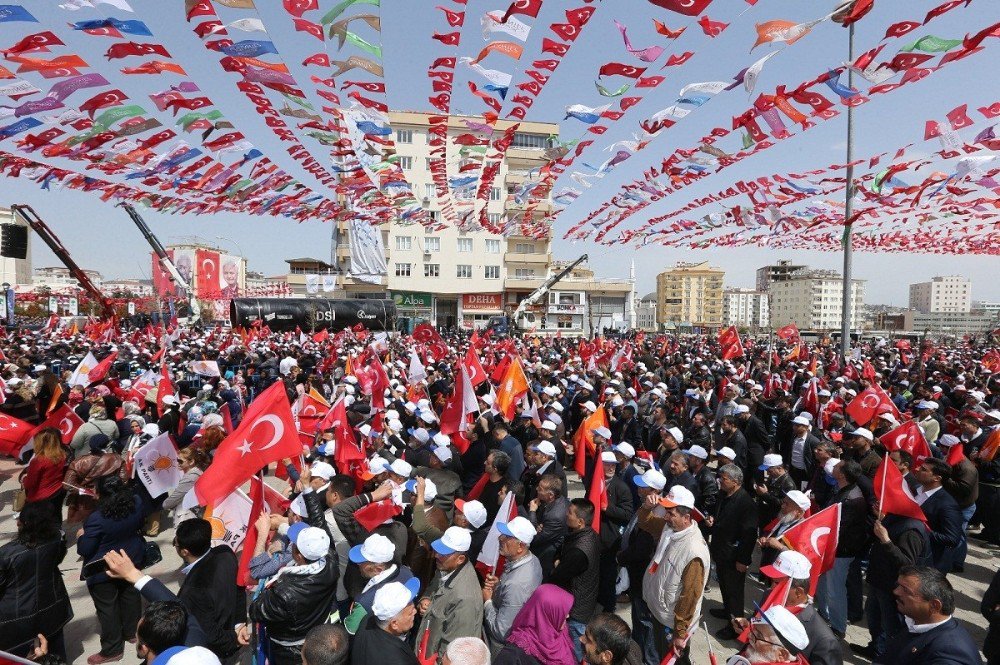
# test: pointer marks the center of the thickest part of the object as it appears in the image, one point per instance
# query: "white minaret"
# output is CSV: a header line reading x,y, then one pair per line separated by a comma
x,y
631,322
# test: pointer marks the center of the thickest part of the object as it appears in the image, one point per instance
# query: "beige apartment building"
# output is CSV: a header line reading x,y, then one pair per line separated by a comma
x,y
690,294
461,276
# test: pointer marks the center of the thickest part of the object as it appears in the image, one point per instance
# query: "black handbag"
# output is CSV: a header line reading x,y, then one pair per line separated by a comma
x,y
151,554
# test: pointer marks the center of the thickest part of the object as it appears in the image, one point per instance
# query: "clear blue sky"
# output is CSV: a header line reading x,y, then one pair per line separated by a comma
x,y
102,237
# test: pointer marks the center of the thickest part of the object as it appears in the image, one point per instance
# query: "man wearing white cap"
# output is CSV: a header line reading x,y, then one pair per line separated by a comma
x,y
613,519
374,560
452,604
706,483
541,458
776,484
381,639
674,583
793,509
505,596
776,636
299,598
799,452
924,415
734,534
858,445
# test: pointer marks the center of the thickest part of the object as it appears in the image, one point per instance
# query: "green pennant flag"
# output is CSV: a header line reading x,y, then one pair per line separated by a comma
x,y
608,93
332,15
747,140
185,120
363,45
932,44
111,116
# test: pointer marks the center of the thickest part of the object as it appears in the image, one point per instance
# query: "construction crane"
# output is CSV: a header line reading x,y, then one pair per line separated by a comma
x,y
31,218
168,265
522,320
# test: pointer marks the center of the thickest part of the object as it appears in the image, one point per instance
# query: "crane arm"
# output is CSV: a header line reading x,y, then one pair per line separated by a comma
x,y
545,287
31,218
164,258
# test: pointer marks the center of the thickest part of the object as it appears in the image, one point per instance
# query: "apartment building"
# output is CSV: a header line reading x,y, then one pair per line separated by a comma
x,y
948,293
775,273
811,299
745,308
690,294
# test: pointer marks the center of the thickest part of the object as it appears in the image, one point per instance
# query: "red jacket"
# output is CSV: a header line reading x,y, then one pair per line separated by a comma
x,y
43,478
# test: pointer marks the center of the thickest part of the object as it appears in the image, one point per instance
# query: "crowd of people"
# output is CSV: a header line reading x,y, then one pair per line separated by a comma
x,y
478,545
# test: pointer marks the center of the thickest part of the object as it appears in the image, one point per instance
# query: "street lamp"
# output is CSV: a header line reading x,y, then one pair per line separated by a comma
x,y
238,248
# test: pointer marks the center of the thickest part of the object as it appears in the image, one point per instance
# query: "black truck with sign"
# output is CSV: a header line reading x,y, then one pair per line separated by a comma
x,y
312,314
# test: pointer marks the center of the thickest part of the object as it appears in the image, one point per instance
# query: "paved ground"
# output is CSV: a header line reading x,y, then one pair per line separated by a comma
x,y
82,640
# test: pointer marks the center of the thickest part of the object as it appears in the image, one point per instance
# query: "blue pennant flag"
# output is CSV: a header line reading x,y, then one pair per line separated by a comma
x,y
11,13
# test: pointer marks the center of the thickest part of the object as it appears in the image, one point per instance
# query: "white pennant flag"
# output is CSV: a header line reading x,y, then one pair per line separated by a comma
x,y
245,24
118,4
156,465
417,372
753,71
513,27
494,76
708,88
80,374
490,552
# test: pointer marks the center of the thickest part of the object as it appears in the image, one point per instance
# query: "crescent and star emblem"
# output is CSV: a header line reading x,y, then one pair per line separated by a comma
x,y
278,429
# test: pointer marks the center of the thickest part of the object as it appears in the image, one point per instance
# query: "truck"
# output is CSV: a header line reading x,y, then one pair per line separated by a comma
x,y
312,314
522,320
194,309
32,219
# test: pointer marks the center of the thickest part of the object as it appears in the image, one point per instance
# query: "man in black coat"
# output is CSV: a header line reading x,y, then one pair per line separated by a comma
x,y
944,517
381,640
990,609
733,438
734,534
772,491
798,452
627,429
209,590
706,493
614,518
697,432
758,442
924,596
548,511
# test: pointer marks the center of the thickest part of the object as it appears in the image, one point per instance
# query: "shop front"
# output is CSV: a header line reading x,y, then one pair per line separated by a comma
x,y
477,308
412,308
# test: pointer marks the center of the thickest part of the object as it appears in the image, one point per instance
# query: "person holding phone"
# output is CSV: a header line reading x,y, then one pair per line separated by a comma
x,y
114,525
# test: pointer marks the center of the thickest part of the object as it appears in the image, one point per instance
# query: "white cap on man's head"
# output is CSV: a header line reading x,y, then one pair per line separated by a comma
x,y
376,549
677,434
519,528
454,539
549,425
678,497
312,543
474,511
787,626
392,598
771,460
546,448
401,468
726,452
443,453
801,420
603,432
697,451
625,449
608,457
652,479
863,433
798,498
830,465
322,470
789,564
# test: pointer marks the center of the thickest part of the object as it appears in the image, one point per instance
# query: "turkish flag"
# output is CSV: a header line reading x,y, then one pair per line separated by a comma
x,y
908,437
314,29
207,273
620,69
63,419
522,7
347,449
893,493
686,7
266,434
14,433
864,407
789,332
473,368
425,333
732,347
312,409
461,403
250,541
598,495
375,514
816,538
901,28
299,7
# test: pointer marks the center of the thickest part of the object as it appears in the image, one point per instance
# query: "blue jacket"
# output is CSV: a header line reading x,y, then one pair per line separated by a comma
x,y
948,644
101,535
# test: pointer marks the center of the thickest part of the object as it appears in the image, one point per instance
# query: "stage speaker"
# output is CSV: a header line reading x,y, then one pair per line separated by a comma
x,y
14,241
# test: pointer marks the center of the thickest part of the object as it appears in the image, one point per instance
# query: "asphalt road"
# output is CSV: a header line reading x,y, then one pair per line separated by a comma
x,y
82,632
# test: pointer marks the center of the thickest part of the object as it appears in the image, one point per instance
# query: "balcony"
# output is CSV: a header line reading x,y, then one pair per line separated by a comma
x,y
534,258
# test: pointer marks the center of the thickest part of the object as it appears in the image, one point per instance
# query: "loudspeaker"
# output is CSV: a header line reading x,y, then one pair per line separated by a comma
x,y
14,241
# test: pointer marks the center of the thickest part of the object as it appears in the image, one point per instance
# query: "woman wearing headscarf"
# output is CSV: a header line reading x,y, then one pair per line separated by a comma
x,y
539,634
82,476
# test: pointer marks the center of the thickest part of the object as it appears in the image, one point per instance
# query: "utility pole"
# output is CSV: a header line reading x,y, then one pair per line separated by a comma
x,y
847,302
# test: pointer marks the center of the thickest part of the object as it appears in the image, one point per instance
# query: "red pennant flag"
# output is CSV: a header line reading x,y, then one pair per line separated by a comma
x,y
63,419
473,368
299,7
685,7
375,514
250,540
598,495
522,7
893,493
266,434
478,488
102,368
789,332
816,537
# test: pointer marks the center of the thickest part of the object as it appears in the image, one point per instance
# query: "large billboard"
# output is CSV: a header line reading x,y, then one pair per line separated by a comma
x,y
212,274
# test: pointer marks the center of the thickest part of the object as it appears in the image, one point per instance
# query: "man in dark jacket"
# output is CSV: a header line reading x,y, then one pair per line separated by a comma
x,y
303,596
547,513
706,492
209,590
734,534
614,518
963,485
758,442
899,541
381,640
772,491
627,428
578,569
733,438
798,450
944,517
697,433
858,447
924,596
990,609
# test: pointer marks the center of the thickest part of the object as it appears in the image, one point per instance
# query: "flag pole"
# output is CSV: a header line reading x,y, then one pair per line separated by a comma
x,y
847,300
885,472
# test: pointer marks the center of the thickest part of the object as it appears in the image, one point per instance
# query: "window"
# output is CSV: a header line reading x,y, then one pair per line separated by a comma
x,y
404,243
492,272
494,217
465,245
492,246
430,191
564,322
403,269
406,163
494,194
432,270
432,244
524,248
464,272
427,162
404,136
524,273
522,140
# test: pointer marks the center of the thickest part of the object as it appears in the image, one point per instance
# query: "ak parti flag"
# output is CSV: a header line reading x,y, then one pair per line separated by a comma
x,y
893,493
512,388
583,439
266,434
816,537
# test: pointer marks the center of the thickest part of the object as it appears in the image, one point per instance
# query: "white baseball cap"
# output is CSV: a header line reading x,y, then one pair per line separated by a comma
x,y
799,499
948,440
322,470
443,453
789,564
770,461
677,434
741,408
863,433
430,489
312,543
392,598
420,434
608,457
545,448
376,549
519,528
442,439
590,406
454,539
401,468
787,626
678,496
378,465
602,432
801,420
652,479
549,425
697,451
625,449
427,417
726,452
474,511
557,406
830,465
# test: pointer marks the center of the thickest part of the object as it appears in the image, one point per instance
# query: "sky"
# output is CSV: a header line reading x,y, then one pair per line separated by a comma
x,y
102,237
